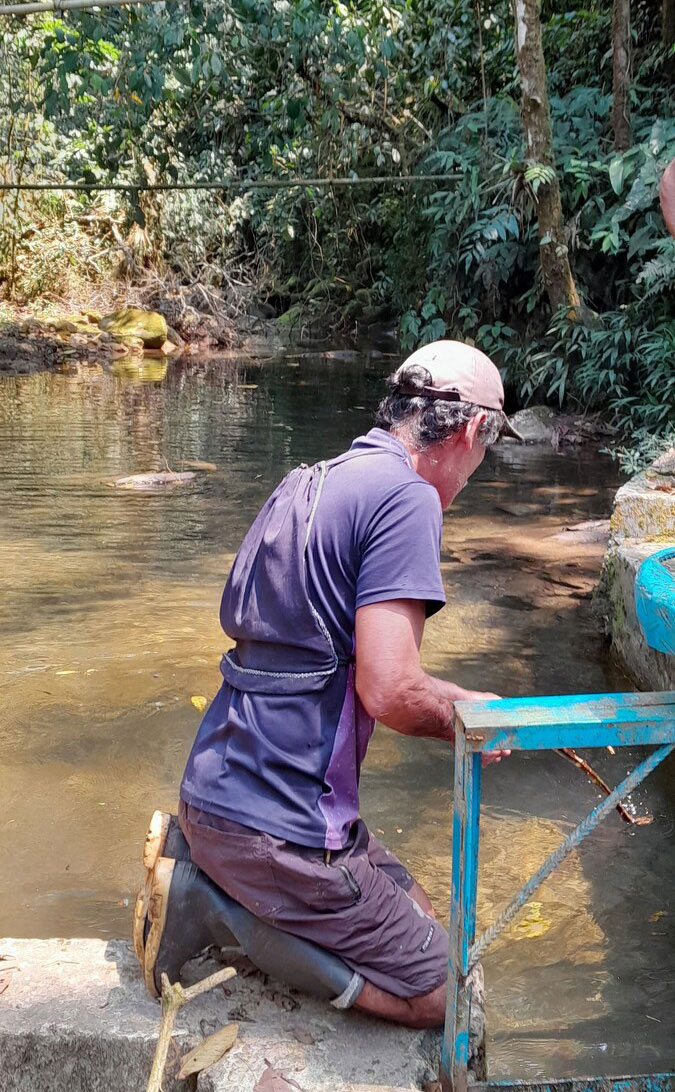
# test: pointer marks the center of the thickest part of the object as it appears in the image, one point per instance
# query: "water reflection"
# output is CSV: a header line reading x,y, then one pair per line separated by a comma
x,y
109,625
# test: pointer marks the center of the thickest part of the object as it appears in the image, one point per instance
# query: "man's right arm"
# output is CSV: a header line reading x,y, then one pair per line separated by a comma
x,y
390,681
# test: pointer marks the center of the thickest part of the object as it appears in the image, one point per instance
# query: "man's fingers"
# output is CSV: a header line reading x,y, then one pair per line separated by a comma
x,y
489,757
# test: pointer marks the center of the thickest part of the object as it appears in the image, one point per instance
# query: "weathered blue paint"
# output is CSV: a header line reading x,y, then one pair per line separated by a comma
x,y
655,1082
533,724
655,601
586,720
465,845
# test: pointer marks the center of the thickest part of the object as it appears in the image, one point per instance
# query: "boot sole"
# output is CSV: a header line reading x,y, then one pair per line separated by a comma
x,y
155,839
153,847
154,903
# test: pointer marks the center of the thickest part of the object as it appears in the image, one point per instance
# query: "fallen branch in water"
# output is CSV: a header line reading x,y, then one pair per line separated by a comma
x,y
174,996
637,820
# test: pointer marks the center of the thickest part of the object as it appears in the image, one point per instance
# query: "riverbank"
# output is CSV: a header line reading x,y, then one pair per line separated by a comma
x,y
48,336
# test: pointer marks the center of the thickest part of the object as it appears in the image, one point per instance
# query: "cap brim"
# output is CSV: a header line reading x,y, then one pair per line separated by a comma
x,y
509,430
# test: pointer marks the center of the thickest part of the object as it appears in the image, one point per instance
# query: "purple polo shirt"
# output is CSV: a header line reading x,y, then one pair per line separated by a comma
x,y
289,763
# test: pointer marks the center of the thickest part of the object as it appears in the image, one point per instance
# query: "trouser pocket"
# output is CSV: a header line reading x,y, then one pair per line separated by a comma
x,y
351,881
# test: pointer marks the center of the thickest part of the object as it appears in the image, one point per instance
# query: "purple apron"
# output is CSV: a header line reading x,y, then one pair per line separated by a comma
x,y
283,645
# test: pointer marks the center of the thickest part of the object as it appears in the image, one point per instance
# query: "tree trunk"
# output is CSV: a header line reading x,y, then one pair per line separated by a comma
x,y
621,75
668,24
555,265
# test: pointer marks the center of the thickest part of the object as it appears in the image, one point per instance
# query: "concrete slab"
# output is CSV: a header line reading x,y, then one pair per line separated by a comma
x,y
642,510
75,1017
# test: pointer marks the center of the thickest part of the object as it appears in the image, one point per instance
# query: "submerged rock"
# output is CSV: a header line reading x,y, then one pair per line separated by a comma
x,y
149,326
160,479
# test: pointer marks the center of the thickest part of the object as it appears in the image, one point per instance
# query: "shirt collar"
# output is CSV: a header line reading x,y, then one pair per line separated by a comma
x,y
384,441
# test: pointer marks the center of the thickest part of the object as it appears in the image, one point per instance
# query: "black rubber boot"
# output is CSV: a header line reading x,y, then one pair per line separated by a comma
x,y
187,912
184,916
176,845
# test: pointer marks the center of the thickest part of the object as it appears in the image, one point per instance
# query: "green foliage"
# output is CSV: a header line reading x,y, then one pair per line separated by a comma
x,y
245,89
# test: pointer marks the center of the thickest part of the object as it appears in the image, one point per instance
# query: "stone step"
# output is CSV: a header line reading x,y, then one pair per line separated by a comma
x,y
75,1017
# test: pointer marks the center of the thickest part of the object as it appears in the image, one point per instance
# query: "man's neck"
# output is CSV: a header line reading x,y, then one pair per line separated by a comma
x,y
422,463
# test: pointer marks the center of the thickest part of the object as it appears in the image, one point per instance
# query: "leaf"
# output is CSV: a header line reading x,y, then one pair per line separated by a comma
x,y
209,1051
532,924
616,174
199,702
274,1081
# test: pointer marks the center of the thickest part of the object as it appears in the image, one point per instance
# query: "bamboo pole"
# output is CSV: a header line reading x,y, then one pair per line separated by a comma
x,y
228,183
59,6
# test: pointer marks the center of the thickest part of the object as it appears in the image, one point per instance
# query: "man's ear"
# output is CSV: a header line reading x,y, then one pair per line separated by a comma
x,y
473,427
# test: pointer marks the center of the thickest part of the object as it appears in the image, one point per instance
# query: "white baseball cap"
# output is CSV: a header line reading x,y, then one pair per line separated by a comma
x,y
461,373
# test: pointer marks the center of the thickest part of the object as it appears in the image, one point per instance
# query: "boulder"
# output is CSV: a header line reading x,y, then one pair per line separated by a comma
x,y
536,424
665,464
149,326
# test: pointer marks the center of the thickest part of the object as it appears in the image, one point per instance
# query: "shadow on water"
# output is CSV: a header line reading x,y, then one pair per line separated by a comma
x,y
109,627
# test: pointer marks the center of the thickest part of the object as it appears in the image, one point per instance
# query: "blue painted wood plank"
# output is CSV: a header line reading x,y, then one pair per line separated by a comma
x,y
655,601
654,1082
579,720
465,845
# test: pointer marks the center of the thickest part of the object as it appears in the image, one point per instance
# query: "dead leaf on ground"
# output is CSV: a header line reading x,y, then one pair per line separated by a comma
x,y
5,980
209,1051
274,1081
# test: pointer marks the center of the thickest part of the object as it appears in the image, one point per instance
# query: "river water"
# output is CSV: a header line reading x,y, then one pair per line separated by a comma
x,y
109,627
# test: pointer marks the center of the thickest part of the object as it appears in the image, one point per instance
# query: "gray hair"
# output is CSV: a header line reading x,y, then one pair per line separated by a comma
x,y
429,420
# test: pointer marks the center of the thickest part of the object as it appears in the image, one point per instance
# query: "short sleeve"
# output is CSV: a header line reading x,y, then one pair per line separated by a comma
x,y
401,550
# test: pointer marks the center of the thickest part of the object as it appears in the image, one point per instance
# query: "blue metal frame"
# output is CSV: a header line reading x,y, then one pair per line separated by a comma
x,y
592,720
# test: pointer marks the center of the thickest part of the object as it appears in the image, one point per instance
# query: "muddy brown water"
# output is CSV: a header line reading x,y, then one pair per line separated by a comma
x,y
109,626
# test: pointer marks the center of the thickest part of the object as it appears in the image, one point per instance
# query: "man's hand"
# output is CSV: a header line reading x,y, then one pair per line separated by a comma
x,y
489,757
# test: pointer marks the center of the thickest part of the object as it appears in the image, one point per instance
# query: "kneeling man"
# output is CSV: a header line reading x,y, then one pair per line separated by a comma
x,y
326,601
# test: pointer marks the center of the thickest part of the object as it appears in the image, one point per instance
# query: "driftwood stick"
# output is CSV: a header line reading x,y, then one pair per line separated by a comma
x,y
568,753
174,996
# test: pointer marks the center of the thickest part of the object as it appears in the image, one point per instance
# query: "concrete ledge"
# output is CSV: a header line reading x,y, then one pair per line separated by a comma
x,y
642,511
75,1017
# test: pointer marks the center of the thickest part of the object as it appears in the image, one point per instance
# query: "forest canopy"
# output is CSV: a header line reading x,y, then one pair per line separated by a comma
x,y
542,240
